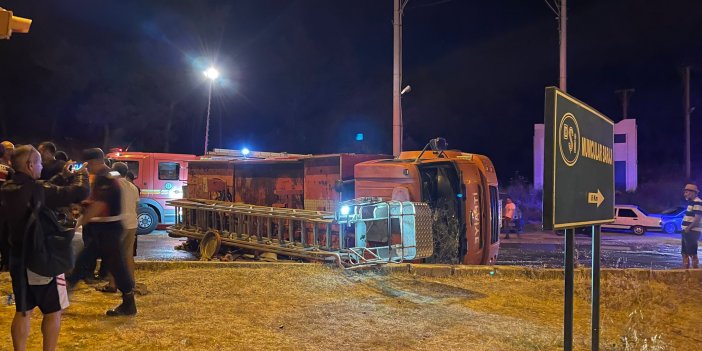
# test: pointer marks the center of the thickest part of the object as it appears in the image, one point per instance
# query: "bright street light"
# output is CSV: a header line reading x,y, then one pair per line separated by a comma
x,y
212,74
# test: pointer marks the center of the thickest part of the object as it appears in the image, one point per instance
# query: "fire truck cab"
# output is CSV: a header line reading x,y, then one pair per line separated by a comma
x,y
160,177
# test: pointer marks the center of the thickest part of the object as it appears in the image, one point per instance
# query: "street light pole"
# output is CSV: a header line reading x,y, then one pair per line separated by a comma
x,y
207,122
211,74
397,79
687,109
563,41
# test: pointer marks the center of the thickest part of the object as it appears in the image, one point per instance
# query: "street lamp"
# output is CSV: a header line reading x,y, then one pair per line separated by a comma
x,y
212,74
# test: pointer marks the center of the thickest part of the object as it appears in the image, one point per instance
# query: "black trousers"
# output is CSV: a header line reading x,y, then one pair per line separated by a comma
x,y
4,248
87,258
111,249
103,240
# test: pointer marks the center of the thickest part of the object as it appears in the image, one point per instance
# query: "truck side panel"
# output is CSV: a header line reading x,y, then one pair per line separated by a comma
x,y
321,176
381,178
275,184
211,180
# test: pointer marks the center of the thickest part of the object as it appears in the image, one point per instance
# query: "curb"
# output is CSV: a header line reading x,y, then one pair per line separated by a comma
x,y
440,271
165,265
667,276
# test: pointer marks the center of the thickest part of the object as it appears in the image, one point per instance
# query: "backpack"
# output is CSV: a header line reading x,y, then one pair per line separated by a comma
x,y
48,251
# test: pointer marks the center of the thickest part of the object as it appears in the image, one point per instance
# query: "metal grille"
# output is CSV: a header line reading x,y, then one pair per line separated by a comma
x,y
424,236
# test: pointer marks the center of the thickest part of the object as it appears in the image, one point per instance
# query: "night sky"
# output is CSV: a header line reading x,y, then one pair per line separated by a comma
x,y
306,76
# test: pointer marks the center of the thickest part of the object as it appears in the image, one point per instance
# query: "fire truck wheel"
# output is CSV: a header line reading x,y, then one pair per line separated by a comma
x,y
147,219
209,245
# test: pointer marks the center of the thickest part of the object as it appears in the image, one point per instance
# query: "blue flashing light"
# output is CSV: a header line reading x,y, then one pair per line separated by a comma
x,y
345,210
245,151
459,196
359,136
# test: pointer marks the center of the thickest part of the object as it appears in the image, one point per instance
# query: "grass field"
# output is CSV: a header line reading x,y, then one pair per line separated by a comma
x,y
311,307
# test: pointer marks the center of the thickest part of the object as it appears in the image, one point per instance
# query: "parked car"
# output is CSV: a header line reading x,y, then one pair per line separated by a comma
x,y
671,219
632,217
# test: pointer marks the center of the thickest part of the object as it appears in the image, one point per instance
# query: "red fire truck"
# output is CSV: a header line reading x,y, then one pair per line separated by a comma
x,y
160,178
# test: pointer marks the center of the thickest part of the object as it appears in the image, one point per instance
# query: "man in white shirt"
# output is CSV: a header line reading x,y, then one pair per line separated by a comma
x,y
691,226
130,201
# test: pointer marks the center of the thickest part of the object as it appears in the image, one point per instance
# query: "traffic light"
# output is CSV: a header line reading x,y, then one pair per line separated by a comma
x,y
10,24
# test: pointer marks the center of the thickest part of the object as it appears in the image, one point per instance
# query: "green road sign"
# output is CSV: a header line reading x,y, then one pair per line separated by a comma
x,y
578,163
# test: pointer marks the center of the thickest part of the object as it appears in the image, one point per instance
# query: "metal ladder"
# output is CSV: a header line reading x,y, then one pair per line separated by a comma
x,y
313,235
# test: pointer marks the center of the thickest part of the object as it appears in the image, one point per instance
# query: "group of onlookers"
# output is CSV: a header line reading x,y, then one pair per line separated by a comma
x,y
36,183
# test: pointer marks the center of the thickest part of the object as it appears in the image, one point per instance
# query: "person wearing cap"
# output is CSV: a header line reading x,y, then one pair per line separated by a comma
x,y
7,155
691,226
102,219
6,171
130,201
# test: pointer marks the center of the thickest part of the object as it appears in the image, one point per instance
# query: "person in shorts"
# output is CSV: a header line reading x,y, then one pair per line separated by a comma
x,y
17,198
691,227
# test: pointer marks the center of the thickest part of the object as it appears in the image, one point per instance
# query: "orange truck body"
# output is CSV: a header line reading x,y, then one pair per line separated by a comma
x,y
466,184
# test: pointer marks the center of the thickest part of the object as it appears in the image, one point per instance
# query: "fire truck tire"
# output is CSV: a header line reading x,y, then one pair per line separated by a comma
x,y
209,245
147,219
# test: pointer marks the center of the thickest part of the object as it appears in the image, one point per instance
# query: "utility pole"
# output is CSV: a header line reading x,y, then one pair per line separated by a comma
x,y
563,18
625,94
686,108
397,78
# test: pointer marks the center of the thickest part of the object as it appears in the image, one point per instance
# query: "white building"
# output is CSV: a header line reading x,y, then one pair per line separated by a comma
x,y
625,155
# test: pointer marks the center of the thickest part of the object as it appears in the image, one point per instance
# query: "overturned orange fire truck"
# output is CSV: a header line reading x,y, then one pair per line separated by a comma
x,y
434,205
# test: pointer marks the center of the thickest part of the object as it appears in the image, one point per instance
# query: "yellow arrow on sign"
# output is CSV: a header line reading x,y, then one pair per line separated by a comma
x,y
595,198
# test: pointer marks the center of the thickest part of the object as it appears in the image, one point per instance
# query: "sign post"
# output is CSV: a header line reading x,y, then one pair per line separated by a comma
x,y
578,187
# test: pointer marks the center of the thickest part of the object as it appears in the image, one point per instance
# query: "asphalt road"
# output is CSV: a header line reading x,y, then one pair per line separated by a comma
x,y
535,249
158,246
618,250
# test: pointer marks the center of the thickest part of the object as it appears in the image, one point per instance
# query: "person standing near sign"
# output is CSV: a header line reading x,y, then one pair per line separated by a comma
x,y
691,226
510,208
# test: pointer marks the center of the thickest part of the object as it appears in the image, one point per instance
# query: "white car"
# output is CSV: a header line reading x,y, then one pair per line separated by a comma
x,y
631,217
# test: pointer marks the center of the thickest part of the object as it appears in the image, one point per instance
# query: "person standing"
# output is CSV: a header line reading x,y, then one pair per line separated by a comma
x,y
130,201
5,175
51,166
102,218
6,150
60,155
18,197
510,208
691,226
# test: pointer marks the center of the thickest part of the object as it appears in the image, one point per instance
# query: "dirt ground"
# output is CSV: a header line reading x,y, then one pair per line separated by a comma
x,y
312,307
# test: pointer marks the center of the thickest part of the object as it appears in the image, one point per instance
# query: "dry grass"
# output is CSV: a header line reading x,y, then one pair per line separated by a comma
x,y
311,307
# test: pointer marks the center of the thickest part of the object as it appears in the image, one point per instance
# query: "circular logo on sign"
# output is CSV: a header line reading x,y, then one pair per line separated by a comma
x,y
569,139
168,186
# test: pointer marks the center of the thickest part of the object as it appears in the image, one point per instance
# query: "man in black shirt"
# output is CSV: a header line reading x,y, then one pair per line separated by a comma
x,y
5,174
102,218
51,166
31,289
